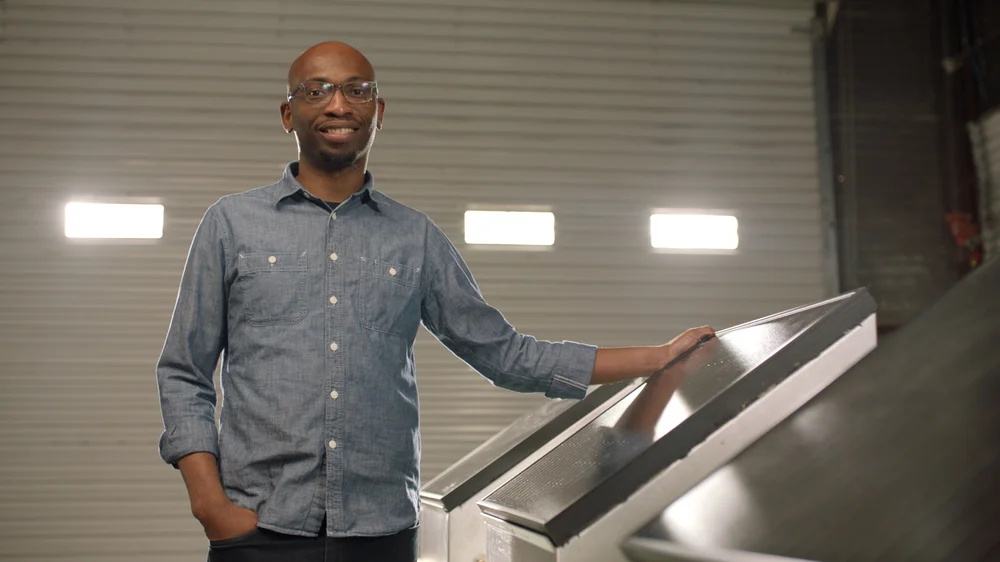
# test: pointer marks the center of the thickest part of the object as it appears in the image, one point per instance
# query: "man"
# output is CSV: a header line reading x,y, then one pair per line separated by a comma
x,y
313,290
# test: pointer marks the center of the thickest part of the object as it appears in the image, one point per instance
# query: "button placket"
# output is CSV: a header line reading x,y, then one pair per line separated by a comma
x,y
335,361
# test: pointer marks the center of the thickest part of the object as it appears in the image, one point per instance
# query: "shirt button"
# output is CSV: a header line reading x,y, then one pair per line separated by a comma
x,y
334,394
392,271
272,259
333,216
333,300
333,444
334,346
333,257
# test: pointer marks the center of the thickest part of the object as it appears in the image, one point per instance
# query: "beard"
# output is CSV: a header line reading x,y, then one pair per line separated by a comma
x,y
322,157
334,162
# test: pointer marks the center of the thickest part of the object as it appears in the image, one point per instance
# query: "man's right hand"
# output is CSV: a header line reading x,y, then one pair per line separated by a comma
x,y
227,520
221,518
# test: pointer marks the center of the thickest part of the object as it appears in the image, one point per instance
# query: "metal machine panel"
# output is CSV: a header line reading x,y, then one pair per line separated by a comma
x,y
455,485
451,527
663,420
898,460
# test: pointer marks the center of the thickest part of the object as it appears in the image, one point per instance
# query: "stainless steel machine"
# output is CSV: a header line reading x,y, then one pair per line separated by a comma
x,y
579,501
451,526
899,460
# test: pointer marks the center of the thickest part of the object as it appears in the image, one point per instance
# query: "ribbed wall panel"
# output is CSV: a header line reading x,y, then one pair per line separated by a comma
x,y
986,148
601,110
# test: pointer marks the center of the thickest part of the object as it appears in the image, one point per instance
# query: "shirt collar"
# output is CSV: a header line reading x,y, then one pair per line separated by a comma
x,y
289,185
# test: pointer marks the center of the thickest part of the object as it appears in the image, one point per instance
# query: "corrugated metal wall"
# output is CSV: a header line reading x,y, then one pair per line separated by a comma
x,y
602,110
986,149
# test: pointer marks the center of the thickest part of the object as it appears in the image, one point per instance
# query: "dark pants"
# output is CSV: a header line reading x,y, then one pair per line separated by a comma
x,y
262,545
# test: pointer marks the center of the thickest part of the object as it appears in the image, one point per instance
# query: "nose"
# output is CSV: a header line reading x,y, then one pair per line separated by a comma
x,y
338,104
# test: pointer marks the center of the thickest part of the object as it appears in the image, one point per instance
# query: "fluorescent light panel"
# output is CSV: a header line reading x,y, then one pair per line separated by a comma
x,y
690,231
117,220
515,228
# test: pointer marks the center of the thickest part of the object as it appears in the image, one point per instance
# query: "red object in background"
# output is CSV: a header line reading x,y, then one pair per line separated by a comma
x,y
965,231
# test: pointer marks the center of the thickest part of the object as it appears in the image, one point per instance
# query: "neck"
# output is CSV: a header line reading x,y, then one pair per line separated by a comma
x,y
332,185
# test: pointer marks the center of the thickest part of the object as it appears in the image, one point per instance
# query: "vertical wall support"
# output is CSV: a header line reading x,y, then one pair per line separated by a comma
x,y
824,144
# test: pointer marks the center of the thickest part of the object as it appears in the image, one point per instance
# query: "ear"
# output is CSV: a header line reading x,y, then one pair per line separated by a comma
x,y
380,116
286,116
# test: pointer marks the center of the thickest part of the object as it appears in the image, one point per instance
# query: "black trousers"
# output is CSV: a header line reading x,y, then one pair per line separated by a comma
x,y
262,545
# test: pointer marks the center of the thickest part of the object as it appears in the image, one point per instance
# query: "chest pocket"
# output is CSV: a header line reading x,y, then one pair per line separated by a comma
x,y
390,297
274,288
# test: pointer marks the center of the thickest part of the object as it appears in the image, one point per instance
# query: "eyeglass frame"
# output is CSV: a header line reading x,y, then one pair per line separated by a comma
x,y
301,86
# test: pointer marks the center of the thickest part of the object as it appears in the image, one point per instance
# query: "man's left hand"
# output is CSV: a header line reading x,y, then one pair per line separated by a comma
x,y
685,341
615,364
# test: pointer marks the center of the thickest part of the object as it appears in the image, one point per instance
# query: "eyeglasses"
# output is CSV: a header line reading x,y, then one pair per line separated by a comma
x,y
315,91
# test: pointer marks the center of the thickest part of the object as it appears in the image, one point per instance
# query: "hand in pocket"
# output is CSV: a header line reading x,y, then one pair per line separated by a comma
x,y
228,521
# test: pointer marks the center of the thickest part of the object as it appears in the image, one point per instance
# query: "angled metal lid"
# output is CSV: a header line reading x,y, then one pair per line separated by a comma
x,y
502,452
653,426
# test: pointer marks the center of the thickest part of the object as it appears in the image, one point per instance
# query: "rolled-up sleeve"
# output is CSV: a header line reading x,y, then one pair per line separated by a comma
x,y
454,310
194,341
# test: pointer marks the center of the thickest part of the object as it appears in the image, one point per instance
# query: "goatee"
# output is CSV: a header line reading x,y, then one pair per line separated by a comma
x,y
338,162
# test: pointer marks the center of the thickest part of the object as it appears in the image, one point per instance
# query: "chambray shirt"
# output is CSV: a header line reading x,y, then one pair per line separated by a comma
x,y
315,313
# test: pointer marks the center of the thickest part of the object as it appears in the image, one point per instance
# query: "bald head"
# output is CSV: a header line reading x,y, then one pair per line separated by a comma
x,y
335,128
319,59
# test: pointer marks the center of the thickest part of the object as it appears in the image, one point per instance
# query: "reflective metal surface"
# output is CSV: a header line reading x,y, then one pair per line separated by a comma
x,y
474,472
494,448
663,419
432,535
897,460
452,528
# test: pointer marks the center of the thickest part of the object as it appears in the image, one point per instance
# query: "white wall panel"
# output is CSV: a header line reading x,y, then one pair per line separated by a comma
x,y
601,110
986,147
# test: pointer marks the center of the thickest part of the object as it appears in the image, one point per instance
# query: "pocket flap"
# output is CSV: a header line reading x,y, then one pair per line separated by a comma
x,y
260,261
392,272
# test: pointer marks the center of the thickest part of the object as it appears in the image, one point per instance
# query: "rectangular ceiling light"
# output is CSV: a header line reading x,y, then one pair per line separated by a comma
x,y
113,220
694,231
515,228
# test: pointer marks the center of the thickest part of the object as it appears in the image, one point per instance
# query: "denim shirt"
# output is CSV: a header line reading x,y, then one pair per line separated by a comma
x,y
315,314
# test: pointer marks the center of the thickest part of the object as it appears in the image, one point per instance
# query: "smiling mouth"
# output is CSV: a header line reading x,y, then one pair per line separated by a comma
x,y
337,130
337,135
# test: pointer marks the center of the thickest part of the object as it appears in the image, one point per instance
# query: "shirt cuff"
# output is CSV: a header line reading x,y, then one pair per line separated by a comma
x,y
189,437
574,371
